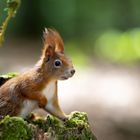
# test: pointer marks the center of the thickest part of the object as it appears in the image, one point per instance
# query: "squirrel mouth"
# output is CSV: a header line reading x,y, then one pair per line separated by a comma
x,y
64,78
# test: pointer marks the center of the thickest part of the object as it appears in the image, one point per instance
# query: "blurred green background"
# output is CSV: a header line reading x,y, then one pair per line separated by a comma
x,y
103,39
93,27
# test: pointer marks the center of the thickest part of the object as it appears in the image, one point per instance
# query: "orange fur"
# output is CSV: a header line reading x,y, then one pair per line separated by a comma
x,y
30,85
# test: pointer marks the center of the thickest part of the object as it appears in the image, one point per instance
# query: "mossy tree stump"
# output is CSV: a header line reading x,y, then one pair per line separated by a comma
x,y
75,128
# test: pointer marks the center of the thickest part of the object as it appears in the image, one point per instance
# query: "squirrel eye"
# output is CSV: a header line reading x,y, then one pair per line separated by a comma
x,y
57,63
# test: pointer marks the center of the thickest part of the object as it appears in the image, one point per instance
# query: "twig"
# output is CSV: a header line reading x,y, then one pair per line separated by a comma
x,y
12,6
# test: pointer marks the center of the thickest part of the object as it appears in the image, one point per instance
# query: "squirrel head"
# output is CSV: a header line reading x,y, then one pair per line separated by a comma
x,y
55,64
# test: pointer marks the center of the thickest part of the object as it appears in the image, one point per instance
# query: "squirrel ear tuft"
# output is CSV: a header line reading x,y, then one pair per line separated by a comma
x,y
45,34
53,38
48,52
46,30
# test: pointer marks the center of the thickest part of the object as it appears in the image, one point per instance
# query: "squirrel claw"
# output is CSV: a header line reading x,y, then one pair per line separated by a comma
x,y
64,119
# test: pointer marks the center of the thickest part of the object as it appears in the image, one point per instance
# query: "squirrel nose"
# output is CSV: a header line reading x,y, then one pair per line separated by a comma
x,y
72,71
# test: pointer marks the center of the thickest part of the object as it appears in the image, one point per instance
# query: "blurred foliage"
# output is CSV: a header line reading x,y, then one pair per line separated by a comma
x,y
85,26
122,47
79,56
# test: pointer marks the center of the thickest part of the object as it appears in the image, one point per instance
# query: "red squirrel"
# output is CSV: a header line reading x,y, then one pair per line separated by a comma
x,y
19,96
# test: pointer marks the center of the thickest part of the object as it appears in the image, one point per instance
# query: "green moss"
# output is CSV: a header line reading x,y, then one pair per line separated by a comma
x,y
75,128
76,119
50,123
14,128
9,75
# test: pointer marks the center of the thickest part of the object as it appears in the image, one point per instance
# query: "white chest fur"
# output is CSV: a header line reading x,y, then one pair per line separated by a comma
x,y
50,91
29,105
50,94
